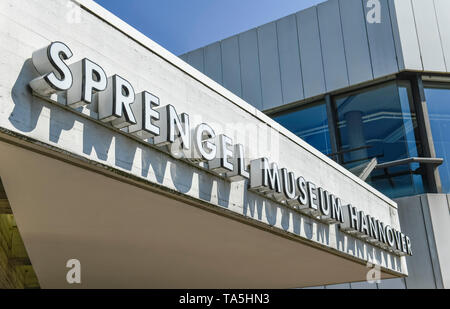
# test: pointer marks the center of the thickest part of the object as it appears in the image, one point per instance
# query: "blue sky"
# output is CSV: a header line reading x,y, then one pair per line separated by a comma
x,y
184,25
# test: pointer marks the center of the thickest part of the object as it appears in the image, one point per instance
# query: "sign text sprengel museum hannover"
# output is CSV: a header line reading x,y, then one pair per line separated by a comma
x,y
144,117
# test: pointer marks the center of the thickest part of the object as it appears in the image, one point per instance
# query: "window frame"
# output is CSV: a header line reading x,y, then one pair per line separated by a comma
x,y
416,86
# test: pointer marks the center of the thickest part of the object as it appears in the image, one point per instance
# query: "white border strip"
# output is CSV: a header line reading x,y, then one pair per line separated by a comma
x,y
140,38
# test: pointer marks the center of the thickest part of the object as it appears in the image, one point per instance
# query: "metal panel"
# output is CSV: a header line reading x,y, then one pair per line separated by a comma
x,y
405,35
184,57
440,220
363,285
196,59
251,79
342,286
392,284
428,33
443,12
270,66
310,52
381,42
412,222
355,41
213,62
290,66
333,52
230,65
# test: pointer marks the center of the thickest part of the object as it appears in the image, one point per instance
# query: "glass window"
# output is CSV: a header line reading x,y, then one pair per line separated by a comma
x,y
380,123
310,124
438,102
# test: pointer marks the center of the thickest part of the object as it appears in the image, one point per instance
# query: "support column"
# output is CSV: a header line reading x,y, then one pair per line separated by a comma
x,y
426,137
333,129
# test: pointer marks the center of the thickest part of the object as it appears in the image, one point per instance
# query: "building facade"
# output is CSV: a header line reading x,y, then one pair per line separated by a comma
x,y
366,83
122,166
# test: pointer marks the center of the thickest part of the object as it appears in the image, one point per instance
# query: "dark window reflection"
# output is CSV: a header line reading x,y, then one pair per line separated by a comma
x,y
438,101
381,123
310,124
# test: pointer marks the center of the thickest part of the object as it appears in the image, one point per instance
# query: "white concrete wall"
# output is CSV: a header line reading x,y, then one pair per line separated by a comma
x,y
26,26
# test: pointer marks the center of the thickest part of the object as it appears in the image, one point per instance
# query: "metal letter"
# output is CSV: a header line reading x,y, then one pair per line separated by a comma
x,y
143,109
351,220
364,227
301,186
171,127
240,171
373,229
264,179
336,209
55,74
221,163
205,148
89,78
390,236
408,246
324,203
311,208
381,232
288,184
114,104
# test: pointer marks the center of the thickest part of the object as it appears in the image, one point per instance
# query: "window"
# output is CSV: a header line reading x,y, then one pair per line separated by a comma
x,y
380,122
310,124
438,103
377,122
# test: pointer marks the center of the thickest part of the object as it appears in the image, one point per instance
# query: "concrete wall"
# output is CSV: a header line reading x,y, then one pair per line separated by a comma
x,y
426,218
328,47
98,35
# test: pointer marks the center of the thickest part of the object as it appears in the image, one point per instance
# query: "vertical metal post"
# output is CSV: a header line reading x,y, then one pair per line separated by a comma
x,y
426,137
333,128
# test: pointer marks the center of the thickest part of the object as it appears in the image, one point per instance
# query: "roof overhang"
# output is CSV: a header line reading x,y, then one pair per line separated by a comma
x,y
136,216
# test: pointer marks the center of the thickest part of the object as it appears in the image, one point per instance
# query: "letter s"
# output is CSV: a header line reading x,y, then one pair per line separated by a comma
x,y
55,73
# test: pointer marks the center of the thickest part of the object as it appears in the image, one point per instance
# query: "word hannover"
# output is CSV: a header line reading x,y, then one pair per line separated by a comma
x,y
142,115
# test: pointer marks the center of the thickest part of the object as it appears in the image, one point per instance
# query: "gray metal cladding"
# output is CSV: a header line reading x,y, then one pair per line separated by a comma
x,y
359,64
250,74
428,34
405,35
332,42
317,50
310,52
442,14
196,59
381,42
231,69
269,66
213,62
422,33
290,66
328,47
184,57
